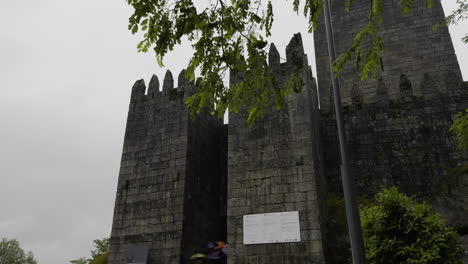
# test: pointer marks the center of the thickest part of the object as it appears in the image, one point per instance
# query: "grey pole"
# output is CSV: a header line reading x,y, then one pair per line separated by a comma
x,y
349,185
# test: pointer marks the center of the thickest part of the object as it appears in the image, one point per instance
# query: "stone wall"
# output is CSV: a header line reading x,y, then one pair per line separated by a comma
x,y
205,186
162,200
411,48
403,142
186,181
274,166
397,125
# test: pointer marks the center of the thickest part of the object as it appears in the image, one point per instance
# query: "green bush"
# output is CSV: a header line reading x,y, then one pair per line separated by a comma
x,y
12,253
460,129
98,256
101,259
398,230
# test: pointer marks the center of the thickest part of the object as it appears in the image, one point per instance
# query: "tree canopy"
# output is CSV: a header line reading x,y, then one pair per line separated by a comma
x,y
12,253
398,230
233,35
460,129
98,255
459,15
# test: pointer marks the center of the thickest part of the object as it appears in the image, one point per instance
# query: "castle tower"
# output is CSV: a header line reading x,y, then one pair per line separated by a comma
x,y
397,126
411,48
170,195
274,166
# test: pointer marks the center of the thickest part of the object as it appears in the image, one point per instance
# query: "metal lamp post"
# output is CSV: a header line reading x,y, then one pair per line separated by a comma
x,y
349,186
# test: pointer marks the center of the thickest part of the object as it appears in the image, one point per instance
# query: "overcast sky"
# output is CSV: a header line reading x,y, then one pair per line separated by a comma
x,y
66,70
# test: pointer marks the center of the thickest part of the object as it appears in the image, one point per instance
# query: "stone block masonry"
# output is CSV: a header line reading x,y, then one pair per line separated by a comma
x,y
402,141
411,47
170,196
186,181
397,125
173,191
274,166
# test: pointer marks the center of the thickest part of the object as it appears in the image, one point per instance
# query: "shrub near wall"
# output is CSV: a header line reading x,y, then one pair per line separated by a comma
x,y
398,230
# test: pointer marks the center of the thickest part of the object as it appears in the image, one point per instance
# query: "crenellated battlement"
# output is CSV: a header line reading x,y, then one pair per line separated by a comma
x,y
431,89
184,181
295,62
399,131
141,93
168,163
411,48
274,166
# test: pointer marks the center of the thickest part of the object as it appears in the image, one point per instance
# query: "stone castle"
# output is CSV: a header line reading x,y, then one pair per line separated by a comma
x,y
186,181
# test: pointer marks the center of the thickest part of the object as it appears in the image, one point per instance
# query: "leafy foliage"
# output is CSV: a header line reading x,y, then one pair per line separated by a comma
x,y
79,261
98,255
101,259
232,35
221,34
12,253
460,129
398,230
459,15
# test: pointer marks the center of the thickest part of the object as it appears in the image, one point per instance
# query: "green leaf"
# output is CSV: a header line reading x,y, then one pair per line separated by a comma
x,y
460,129
231,36
396,229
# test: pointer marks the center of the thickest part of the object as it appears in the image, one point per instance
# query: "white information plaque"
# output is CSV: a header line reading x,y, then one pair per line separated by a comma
x,y
272,228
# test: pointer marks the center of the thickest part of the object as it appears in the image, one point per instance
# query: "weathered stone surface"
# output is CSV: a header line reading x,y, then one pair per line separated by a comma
x,y
173,191
402,142
182,80
397,134
168,81
405,143
274,166
153,87
411,48
168,195
273,56
138,90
